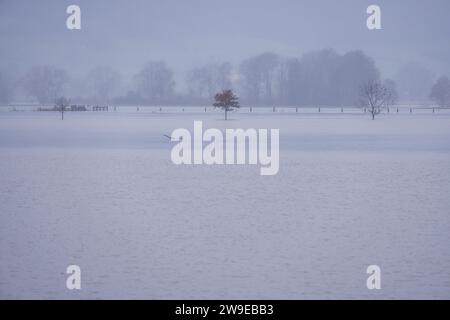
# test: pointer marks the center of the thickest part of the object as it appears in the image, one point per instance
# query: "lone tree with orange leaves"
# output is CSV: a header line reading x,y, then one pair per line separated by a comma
x,y
227,101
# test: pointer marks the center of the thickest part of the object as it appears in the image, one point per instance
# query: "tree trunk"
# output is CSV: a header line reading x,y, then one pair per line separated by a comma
x,y
226,114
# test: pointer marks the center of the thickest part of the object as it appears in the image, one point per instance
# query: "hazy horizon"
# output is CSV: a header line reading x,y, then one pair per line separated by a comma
x,y
125,35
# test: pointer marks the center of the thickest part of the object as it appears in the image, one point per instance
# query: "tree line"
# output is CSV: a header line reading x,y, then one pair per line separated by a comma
x,y
322,77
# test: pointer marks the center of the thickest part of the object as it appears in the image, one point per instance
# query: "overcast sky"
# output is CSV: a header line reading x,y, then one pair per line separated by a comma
x,y
126,33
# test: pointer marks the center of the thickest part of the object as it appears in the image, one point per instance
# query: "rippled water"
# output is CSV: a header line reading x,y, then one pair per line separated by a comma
x,y
140,227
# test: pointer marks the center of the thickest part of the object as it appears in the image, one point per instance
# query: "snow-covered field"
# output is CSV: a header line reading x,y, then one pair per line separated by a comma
x,y
99,190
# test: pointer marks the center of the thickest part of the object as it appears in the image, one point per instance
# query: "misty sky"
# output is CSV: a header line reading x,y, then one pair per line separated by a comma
x,y
125,34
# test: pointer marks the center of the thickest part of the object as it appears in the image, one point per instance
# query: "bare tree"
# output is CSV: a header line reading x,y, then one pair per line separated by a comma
x,y
61,104
205,81
289,85
227,101
391,88
374,97
440,92
199,82
259,77
155,82
353,70
44,83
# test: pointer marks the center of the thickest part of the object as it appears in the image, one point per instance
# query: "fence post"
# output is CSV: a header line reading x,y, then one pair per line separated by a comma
x,y
296,109
251,110
342,109
273,109
410,110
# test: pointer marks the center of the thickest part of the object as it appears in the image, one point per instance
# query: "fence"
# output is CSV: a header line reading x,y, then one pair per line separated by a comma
x,y
396,109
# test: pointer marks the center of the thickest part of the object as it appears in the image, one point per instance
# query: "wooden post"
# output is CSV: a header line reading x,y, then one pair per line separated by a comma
x,y
296,109
410,110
